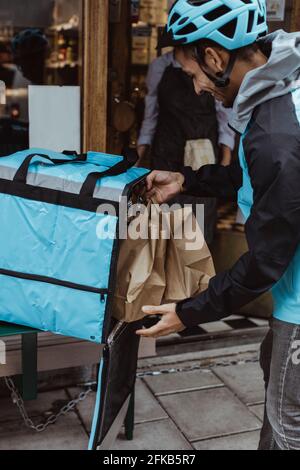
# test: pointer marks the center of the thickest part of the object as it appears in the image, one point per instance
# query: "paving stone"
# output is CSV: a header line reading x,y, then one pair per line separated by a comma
x,y
157,435
146,407
9,411
216,327
86,407
245,351
66,434
260,322
182,381
244,441
35,408
246,380
209,413
178,367
258,410
234,317
212,418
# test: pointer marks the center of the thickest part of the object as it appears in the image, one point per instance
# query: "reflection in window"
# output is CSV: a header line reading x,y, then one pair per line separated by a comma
x,y
40,44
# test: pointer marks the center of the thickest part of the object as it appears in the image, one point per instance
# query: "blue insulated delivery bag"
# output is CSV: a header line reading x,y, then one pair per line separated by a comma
x,y
58,248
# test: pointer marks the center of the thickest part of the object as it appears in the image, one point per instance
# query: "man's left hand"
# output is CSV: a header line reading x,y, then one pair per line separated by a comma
x,y
169,323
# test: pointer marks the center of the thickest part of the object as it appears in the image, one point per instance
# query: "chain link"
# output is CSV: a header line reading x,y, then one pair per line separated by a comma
x,y
19,402
194,367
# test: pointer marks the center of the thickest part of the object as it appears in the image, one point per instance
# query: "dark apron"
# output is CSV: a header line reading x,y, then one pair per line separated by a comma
x,y
184,116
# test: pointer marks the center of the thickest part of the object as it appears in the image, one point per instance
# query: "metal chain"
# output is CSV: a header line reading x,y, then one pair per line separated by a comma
x,y
19,402
152,373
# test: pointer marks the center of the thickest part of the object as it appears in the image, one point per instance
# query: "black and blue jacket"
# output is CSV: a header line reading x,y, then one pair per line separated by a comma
x,y
266,180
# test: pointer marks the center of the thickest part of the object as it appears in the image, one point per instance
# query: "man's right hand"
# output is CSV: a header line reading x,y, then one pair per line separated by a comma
x,y
164,185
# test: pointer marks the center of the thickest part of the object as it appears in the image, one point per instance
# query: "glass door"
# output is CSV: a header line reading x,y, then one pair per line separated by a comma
x,y
40,44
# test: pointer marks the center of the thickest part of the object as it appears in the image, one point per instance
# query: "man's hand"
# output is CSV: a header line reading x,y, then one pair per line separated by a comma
x,y
164,185
170,322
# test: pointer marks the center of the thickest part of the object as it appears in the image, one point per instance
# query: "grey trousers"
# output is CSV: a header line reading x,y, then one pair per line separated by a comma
x,y
280,361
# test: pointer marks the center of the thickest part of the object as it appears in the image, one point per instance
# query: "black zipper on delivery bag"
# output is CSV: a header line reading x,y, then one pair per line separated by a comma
x,y
51,280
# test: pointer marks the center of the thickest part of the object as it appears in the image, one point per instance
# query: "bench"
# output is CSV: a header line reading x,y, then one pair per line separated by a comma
x,y
27,384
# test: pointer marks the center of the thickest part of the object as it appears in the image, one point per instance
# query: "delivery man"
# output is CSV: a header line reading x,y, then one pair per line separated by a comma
x,y
260,75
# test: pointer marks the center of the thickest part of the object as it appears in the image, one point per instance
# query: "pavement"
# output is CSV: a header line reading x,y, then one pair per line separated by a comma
x,y
211,400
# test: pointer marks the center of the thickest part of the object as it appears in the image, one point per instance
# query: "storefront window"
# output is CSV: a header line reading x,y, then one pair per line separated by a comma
x,y
40,44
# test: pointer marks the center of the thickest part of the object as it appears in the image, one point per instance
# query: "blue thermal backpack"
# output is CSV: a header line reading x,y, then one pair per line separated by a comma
x,y
58,239
59,219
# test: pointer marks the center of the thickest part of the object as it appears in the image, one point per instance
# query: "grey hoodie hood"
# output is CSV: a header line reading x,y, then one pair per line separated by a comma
x,y
278,77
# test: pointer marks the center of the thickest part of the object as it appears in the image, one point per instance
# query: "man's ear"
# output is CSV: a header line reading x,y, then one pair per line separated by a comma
x,y
215,60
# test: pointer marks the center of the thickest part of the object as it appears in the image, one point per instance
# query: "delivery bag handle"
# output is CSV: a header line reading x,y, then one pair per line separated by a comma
x,y
21,175
129,160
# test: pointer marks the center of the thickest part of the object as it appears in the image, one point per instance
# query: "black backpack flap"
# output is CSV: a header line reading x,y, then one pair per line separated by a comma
x,y
117,379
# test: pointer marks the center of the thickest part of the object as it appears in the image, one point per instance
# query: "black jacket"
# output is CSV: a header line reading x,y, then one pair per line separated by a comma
x,y
271,150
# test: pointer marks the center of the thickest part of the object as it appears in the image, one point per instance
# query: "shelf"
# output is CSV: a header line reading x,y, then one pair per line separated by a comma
x,y
62,65
72,25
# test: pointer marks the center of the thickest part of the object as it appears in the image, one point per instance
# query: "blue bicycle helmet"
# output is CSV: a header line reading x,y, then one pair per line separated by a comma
x,y
232,24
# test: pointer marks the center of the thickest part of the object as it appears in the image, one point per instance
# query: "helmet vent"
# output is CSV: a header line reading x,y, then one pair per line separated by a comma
x,y
251,21
260,19
183,20
174,18
197,3
229,29
190,28
217,13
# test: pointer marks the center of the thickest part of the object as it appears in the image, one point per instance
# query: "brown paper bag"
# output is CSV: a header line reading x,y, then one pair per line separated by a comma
x,y
141,276
189,265
163,270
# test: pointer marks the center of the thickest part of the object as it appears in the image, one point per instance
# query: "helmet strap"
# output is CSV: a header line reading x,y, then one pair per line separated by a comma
x,y
222,80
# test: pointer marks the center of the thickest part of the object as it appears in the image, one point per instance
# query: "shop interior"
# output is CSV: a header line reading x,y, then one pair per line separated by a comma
x,y
40,44
128,78
56,58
